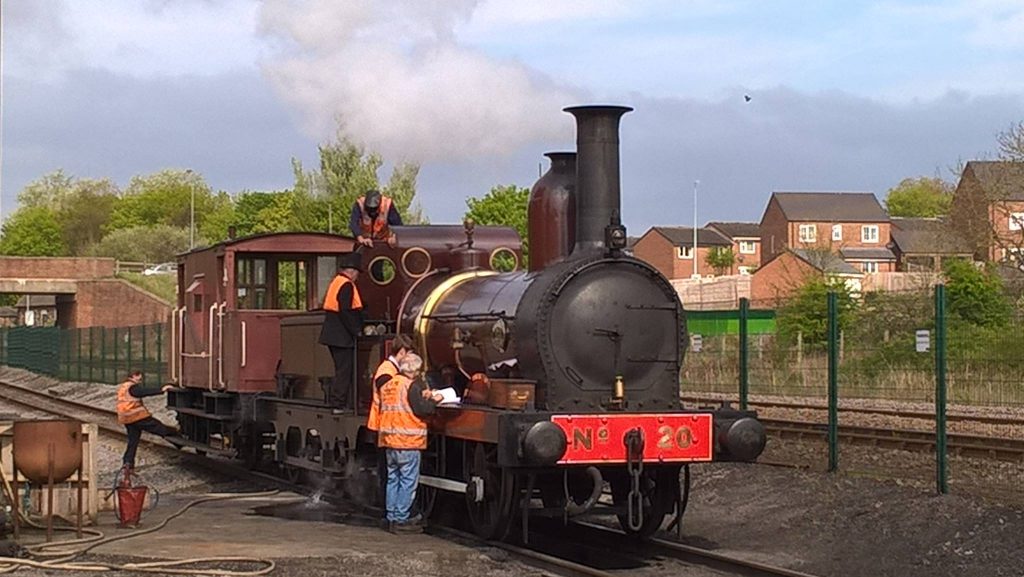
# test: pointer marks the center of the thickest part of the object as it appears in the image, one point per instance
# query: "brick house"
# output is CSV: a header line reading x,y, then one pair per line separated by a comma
x,y
851,224
783,275
746,244
924,244
988,209
670,250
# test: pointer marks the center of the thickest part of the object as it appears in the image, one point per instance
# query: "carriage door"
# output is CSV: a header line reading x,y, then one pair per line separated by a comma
x,y
196,342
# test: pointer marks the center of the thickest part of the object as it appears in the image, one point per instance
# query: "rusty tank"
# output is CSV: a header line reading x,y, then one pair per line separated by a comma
x,y
32,449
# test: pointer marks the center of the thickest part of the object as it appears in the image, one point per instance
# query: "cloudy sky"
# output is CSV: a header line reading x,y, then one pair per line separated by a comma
x,y
845,96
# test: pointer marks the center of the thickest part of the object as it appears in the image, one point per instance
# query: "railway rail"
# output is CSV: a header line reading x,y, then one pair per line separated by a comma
x,y
609,544
701,400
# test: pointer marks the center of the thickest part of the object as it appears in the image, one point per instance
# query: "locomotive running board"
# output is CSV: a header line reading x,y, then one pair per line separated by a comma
x,y
456,486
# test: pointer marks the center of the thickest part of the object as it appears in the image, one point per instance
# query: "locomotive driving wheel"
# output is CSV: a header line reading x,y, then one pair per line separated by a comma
x,y
491,516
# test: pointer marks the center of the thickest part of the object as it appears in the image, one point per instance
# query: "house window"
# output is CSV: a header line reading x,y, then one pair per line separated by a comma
x,y
744,270
684,252
869,233
1016,221
808,233
748,247
837,232
870,266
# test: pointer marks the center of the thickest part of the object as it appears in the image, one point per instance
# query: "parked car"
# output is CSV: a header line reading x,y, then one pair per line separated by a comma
x,y
162,268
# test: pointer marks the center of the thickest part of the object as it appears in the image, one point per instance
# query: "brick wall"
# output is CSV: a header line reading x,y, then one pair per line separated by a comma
x,y
778,279
115,303
656,251
1004,238
748,260
774,235
56,267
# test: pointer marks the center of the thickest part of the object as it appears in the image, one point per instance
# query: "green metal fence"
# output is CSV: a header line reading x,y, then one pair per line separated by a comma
x,y
93,354
885,347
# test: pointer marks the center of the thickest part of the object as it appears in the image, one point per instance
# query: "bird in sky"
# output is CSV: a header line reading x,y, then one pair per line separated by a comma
x,y
746,97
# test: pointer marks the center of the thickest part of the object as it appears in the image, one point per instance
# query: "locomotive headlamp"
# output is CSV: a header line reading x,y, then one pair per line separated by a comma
x,y
615,234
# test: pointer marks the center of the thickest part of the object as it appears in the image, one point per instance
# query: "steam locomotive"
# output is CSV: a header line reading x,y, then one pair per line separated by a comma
x,y
568,371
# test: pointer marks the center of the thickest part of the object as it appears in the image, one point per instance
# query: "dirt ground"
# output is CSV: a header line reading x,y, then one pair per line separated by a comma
x,y
840,525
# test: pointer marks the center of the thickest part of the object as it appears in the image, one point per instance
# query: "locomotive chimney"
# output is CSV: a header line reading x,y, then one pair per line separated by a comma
x,y
597,173
552,212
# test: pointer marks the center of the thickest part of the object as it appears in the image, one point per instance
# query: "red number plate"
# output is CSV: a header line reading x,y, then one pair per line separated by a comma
x,y
667,438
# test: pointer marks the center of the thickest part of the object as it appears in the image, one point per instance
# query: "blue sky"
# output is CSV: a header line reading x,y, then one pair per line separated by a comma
x,y
844,95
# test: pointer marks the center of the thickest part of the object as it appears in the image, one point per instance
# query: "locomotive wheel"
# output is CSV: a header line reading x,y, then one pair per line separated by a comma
x,y
658,489
491,518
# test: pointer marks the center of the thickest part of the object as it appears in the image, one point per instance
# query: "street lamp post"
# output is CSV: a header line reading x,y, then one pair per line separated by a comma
x,y
192,212
695,259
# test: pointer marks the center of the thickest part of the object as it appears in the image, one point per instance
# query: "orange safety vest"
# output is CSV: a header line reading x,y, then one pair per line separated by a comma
x,y
129,409
375,228
386,368
399,427
331,298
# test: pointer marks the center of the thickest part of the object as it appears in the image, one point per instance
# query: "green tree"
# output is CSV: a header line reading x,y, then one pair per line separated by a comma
x,y
976,295
152,244
33,231
323,198
164,198
503,206
919,197
807,312
720,259
82,206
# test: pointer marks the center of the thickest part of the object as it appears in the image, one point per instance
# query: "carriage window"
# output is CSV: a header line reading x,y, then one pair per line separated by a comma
x,y
326,268
251,282
291,285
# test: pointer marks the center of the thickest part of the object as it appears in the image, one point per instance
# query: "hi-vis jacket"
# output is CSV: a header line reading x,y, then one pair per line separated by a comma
x,y
129,409
399,427
375,228
388,369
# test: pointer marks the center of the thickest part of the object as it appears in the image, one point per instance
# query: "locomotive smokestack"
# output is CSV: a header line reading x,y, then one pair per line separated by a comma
x,y
598,191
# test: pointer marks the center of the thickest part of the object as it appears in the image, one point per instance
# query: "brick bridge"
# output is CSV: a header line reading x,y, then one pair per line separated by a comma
x,y
86,291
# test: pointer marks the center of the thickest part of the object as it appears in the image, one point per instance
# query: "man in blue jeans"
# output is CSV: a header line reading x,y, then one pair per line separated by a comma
x,y
403,402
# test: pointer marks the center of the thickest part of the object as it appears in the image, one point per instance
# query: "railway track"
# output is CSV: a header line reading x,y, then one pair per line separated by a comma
x,y
698,400
610,547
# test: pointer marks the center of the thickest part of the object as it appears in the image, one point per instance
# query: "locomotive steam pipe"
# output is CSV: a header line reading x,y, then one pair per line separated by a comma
x,y
597,173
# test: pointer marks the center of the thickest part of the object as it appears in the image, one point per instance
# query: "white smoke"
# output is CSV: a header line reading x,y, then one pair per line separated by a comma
x,y
392,76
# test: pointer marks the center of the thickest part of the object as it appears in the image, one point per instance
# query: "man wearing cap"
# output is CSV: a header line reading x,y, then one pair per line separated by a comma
x,y
373,215
343,322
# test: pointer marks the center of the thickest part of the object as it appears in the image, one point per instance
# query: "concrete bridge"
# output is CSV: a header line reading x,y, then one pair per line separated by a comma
x,y
86,290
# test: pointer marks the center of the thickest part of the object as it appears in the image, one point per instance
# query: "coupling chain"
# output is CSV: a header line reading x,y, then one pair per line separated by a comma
x,y
635,467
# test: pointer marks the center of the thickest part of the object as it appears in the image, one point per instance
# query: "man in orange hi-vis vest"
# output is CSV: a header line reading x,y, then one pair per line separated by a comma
x,y
343,322
401,346
132,413
373,215
403,402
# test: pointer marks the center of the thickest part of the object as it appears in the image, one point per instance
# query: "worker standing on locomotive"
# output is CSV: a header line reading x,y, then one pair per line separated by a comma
x,y
136,418
343,322
404,401
373,215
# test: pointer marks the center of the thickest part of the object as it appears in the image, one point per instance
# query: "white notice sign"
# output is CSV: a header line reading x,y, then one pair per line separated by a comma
x,y
923,340
696,342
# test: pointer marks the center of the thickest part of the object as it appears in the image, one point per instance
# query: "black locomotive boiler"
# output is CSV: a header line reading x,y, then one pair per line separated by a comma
x,y
569,371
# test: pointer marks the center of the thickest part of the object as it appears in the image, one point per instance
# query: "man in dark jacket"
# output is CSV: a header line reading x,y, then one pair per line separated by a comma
x,y
343,321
